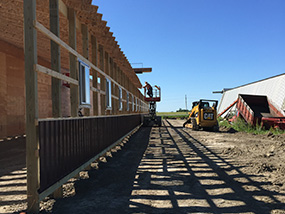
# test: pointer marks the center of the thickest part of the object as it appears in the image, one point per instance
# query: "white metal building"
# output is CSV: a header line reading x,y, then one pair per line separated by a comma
x,y
273,88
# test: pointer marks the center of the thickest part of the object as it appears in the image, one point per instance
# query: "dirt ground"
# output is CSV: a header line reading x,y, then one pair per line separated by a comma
x,y
166,169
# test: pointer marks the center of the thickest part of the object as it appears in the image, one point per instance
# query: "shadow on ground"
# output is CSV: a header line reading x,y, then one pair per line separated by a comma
x,y
13,188
166,170
108,188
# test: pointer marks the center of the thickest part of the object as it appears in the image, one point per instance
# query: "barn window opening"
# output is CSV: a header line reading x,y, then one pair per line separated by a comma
x,y
84,84
120,99
108,94
133,103
128,100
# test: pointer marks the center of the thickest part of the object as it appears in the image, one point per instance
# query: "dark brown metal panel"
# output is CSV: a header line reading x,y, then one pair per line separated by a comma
x,y
67,144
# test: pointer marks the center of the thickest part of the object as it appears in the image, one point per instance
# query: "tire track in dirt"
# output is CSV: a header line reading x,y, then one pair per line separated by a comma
x,y
229,178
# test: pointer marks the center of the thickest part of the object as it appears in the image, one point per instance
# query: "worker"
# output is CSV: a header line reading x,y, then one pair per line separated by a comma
x,y
149,89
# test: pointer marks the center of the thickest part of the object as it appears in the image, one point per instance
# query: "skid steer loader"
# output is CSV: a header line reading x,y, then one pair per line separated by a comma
x,y
203,115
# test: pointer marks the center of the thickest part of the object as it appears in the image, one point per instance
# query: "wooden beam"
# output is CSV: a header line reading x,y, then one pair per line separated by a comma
x,y
85,48
115,97
94,59
64,11
50,35
78,24
74,98
55,58
85,41
113,86
62,8
116,89
32,138
102,78
55,74
107,71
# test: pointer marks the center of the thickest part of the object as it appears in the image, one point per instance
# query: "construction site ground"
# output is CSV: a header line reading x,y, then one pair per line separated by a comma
x,y
168,169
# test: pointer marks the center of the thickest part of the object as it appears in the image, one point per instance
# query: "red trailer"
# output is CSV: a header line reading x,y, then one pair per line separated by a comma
x,y
258,109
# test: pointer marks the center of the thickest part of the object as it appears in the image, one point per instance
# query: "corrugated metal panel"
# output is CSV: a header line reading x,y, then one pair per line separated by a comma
x,y
66,144
273,88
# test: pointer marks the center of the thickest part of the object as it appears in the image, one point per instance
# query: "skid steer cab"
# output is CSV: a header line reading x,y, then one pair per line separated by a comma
x,y
203,115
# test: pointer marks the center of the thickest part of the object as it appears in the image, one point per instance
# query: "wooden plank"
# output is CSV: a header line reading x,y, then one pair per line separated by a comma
x,y
44,30
62,8
124,84
98,90
102,78
78,24
64,11
115,97
74,97
94,59
85,41
85,48
55,58
116,89
51,36
32,135
55,74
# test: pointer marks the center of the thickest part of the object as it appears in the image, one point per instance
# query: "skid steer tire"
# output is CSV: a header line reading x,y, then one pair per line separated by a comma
x,y
194,125
216,128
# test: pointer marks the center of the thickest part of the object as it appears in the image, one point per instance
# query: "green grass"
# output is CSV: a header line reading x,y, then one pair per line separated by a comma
x,y
241,126
173,115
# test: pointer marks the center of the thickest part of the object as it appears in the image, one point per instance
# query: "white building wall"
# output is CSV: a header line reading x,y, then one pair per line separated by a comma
x,y
273,88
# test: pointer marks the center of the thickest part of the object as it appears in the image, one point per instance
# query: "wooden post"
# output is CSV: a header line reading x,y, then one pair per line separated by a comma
x,y
55,65
111,69
128,88
95,74
102,79
85,47
73,63
32,138
55,58
107,71
116,89
120,82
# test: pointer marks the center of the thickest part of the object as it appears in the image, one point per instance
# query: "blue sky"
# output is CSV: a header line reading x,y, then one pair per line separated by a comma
x,y
199,46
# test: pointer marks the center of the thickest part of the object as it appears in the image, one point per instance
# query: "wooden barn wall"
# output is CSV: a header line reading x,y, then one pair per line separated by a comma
x,y
12,76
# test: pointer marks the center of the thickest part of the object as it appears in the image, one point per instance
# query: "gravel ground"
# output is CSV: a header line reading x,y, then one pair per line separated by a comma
x,y
168,169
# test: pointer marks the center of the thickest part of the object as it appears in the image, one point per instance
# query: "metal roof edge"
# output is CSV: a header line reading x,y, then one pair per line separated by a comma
x,y
255,82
